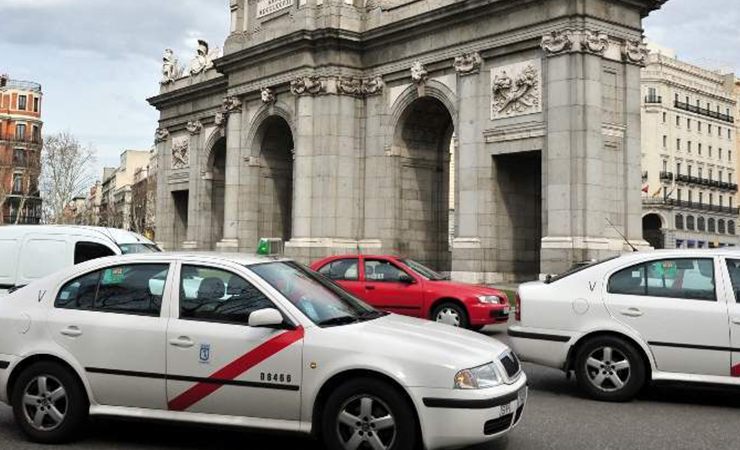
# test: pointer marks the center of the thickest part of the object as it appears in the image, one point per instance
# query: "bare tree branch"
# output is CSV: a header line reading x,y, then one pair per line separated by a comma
x,y
66,173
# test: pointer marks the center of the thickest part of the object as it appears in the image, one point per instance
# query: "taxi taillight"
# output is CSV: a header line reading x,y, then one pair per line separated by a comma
x,y
518,314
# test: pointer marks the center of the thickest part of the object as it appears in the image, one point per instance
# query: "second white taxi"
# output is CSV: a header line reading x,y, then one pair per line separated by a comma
x,y
664,316
258,343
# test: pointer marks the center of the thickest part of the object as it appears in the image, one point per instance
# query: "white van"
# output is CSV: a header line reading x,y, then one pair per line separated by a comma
x,y
28,253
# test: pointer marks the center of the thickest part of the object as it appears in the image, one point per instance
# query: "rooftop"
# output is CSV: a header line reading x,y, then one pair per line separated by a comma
x,y
6,83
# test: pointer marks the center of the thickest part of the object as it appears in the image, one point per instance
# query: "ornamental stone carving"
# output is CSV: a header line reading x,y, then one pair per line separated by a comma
x,y
194,127
267,95
634,52
373,86
171,71
595,42
311,84
203,60
231,104
349,85
419,73
468,63
516,89
557,42
219,119
161,135
180,154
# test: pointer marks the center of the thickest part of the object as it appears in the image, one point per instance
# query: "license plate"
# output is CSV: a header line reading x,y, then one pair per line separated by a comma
x,y
505,409
506,310
522,396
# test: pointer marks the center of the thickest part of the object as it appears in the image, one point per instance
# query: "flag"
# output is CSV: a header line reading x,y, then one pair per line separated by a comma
x,y
646,188
657,193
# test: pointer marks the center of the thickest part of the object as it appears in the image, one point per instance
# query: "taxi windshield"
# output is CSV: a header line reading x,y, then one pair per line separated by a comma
x,y
322,301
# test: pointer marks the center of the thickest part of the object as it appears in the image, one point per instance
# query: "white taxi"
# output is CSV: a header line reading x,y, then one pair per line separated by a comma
x,y
664,316
258,343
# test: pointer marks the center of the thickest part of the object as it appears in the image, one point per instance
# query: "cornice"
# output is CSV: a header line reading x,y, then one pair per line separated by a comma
x,y
203,89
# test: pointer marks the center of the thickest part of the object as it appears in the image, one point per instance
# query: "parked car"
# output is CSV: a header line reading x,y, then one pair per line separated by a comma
x,y
32,252
664,316
404,286
241,341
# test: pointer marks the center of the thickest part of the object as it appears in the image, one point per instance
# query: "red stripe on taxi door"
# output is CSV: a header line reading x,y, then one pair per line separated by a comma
x,y
235,369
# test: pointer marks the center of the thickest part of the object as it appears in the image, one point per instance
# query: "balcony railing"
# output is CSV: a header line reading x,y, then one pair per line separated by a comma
x,y
690,205
666,176
654,99
704,111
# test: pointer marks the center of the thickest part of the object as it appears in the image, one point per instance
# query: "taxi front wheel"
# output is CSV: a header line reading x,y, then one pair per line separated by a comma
x,y
49,403
368,414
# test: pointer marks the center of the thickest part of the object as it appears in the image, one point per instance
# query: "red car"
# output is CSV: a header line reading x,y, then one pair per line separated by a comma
x,y
404,286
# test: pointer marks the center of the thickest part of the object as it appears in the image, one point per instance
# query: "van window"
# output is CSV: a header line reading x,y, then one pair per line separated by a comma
x,y
128,249
86,251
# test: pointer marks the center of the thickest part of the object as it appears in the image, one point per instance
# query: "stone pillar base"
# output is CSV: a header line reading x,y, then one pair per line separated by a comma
x,y
307,250
228,245
190,245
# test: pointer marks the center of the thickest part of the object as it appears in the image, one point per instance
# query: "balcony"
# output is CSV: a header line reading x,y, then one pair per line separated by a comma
x,y
690,205
666,176
653,100
682,178
704,112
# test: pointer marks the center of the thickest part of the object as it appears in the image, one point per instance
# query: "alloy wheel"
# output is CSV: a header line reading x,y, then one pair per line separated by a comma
x,y
608,369
45,403
366,423
449,316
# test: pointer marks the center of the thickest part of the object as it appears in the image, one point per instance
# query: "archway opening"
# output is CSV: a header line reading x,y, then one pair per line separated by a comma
x,y
424,136
276,179
652,231
218,190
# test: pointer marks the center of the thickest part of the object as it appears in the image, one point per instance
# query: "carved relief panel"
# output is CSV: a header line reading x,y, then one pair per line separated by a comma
x,y
516,89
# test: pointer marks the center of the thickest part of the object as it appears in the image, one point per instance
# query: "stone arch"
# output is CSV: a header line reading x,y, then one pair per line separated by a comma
x,y
653,224
433,89
421,138
270,144
211,141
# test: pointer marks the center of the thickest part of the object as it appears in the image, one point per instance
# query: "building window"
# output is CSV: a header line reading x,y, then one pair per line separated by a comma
x,y
36,133
701,198
710,226
719,131
688,146
721,201
699,149
709,130
678,144
729,134
689,172
720,154
711,198
710,151
665,117
665,141
688,124
691,196
36,104
700,224
710,176
698,126
679,222
22,102
678,121
678,195
731,227
729,155
678,168
665,166
19,157
720,176
17,183
721,226
20,132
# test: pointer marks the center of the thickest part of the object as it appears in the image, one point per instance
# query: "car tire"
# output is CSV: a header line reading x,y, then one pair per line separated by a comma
x,y
54,412
610,369
359,410
448,312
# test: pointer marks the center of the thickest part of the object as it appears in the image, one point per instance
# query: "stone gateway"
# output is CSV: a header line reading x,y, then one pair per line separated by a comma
x,y
491,139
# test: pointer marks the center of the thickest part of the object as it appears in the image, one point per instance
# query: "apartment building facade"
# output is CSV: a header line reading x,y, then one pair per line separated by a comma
x,y
20,151
689,155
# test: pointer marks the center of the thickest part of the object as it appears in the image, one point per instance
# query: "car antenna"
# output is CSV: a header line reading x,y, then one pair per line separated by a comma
x,y
623,237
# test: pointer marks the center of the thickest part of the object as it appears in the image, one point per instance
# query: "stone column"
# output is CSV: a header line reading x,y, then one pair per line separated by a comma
x,y
303,168
467,252
195,149
164,220
232,110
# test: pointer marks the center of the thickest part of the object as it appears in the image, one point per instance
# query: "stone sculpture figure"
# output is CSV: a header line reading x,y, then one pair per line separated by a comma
x,y
468,63
170,69
419,73
180,155
267,95
557,42
372,86
203,59
349,85
634,52
595,42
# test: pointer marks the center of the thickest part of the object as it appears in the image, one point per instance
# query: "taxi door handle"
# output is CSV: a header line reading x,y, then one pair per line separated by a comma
x,y
736,320
72,331
631,312
182,342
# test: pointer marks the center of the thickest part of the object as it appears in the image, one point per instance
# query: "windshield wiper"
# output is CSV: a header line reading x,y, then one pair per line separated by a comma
x,y
341,320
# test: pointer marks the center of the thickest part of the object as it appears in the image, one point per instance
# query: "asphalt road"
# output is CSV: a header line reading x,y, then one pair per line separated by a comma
x,y
557,417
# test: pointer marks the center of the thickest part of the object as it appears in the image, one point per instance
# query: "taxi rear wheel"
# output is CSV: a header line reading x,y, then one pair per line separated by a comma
x,y
609,368
49,403
368,414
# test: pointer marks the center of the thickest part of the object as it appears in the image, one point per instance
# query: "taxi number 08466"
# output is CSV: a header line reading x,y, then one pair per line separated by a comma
x,y
275,377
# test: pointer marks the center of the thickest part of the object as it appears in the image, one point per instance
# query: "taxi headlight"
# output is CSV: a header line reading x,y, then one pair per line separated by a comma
x,y
481,377
490,299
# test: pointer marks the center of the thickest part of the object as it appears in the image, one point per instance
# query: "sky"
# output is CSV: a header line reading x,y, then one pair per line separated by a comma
x,y
99,60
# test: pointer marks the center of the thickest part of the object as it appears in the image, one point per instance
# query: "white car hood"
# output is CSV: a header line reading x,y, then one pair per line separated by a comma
x,y
429,353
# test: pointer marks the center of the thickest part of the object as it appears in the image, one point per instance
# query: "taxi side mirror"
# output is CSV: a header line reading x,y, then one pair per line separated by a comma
x,y
406,279
266,318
